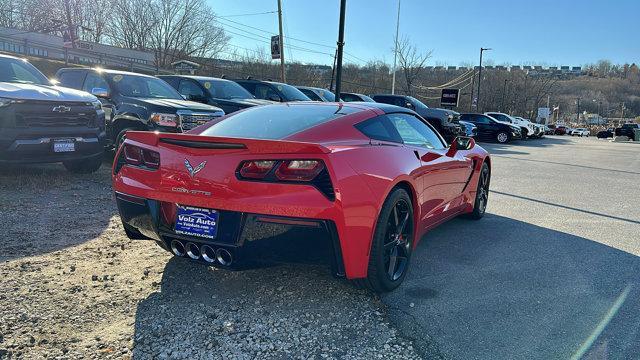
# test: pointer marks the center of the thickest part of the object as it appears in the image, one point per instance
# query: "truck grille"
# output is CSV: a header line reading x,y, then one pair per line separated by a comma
x,y
41,114
190,121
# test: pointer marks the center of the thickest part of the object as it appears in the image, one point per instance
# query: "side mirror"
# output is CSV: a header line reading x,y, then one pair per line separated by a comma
x,y
460,143
100,92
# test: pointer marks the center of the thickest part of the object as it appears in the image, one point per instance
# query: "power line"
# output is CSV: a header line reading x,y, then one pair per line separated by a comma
x,y
248,14
268,41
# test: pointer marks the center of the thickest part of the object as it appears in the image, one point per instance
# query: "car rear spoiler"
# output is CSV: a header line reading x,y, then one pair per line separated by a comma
x,y
254,146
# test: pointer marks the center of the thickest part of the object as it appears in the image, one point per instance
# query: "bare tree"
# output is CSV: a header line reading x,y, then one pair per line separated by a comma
x,y
411,62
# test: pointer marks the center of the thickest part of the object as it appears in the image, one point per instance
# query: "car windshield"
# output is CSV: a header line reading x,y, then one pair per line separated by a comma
x,y
143,87
275,122
224,89
328,95
291,93
20,71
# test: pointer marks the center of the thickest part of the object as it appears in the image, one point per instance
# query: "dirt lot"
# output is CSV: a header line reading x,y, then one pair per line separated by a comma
x,y
73,286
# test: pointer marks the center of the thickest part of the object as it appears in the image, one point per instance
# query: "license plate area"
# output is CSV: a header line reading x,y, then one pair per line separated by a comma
x,y
196,222
64,145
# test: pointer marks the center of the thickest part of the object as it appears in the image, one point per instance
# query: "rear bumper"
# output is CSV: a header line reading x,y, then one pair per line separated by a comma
x,y
36,145
254,240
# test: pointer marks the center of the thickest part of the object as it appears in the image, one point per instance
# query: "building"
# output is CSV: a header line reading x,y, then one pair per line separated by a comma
x,y
19,42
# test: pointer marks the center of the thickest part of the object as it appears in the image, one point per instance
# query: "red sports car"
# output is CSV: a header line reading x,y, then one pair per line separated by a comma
x,y
372,177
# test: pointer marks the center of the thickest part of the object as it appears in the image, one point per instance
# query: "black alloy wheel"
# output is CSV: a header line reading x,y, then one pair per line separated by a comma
x,y
482,194
397,240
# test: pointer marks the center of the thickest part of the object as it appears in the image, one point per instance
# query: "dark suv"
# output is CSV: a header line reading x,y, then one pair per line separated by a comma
x,y
41,122
627,130
225,94
138,102
492,129
271,90
445,121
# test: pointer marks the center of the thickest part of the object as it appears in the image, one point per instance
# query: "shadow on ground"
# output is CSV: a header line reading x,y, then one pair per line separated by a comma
x,y
44,208
520,147
505,289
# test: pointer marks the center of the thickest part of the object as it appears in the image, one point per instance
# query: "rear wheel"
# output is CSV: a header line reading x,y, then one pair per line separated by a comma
x,y
392,244
84,166
482,194
121,136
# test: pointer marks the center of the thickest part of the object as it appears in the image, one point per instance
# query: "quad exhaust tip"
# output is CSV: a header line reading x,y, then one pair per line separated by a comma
x,y
224,257
193,251
177,248
208,254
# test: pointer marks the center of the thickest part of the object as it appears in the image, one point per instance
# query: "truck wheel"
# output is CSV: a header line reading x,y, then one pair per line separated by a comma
x,y
502,137
84,166
525,134
121,136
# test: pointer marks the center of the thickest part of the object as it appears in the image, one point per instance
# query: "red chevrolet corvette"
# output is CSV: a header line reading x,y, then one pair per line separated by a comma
x,y
373,178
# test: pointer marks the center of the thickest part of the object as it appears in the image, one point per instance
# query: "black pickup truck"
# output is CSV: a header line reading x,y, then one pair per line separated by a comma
x,y
138,102
44,123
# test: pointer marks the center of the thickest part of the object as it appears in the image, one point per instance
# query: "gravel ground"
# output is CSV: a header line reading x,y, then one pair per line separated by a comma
x,y
73,286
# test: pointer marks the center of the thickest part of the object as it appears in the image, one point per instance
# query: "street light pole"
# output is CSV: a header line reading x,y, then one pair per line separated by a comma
x,y
480,78
343,6
395,53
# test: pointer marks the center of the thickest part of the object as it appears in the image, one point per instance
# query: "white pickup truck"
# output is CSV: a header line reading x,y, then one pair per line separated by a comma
x,y
527,128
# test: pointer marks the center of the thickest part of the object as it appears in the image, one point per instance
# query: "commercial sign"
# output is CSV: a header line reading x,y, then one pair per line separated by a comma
x,y
275,47
450,97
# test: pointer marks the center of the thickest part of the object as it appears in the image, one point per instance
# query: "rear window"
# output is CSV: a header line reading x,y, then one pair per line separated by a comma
x,y
275,122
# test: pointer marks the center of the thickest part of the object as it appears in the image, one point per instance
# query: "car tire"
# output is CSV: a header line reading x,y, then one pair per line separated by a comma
x,y
482,194
390,254
84,166
502,137
524,133
121,137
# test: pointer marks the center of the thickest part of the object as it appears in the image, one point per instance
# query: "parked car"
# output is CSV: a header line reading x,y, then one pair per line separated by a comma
x,y
549,129
580,132
560,130
627,130
44,123
526,127
445,121
224,94
349,97
274,167
538,129
317,94
469,128
491,129
138,102
271,90
604,134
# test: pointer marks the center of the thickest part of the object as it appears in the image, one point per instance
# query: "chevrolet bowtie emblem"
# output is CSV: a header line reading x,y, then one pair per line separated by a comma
x,y
61,109
193,171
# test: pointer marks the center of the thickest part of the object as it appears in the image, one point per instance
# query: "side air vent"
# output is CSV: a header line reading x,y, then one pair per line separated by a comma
x,y
323,183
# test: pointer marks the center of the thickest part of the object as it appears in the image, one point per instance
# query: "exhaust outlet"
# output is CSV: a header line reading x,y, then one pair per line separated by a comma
x,y
193,251
208,254
177,248
224,257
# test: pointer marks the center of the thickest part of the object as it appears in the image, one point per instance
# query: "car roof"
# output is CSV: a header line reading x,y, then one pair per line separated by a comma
x,y
260,81
310,88
194,77
390,95
10,57
106,71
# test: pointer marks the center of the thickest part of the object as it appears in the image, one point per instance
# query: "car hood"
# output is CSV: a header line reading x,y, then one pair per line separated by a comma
x,y
42,92
179,104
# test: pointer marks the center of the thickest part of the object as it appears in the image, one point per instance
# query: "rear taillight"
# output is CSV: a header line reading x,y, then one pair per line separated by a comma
x,y
137,156
299,170
280,170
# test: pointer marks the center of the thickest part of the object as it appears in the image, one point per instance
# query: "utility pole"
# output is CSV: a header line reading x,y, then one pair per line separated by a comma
x,y
333,70
343,6
480,77
504,94
578,110
72,31
395,53
473,86
282,72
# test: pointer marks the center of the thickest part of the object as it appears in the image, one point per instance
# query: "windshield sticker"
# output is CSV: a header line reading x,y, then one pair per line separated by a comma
x,y
207,85
280,87
117,78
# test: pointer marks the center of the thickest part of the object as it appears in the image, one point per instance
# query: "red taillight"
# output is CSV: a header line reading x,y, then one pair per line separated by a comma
x,y
299,170
137,156
256,169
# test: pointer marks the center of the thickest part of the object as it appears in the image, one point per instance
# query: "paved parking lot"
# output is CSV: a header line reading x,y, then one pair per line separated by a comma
x,y
550,272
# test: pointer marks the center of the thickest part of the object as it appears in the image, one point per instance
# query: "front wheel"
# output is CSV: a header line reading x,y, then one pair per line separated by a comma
x,y
84,166
502,137
392,244
482,194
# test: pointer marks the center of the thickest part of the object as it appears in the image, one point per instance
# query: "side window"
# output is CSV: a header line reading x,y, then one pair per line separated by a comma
x,y
348,97
265,92
414,132
384,99
481,119
312,95
379,128
190,89
72,79
250,87
94,81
